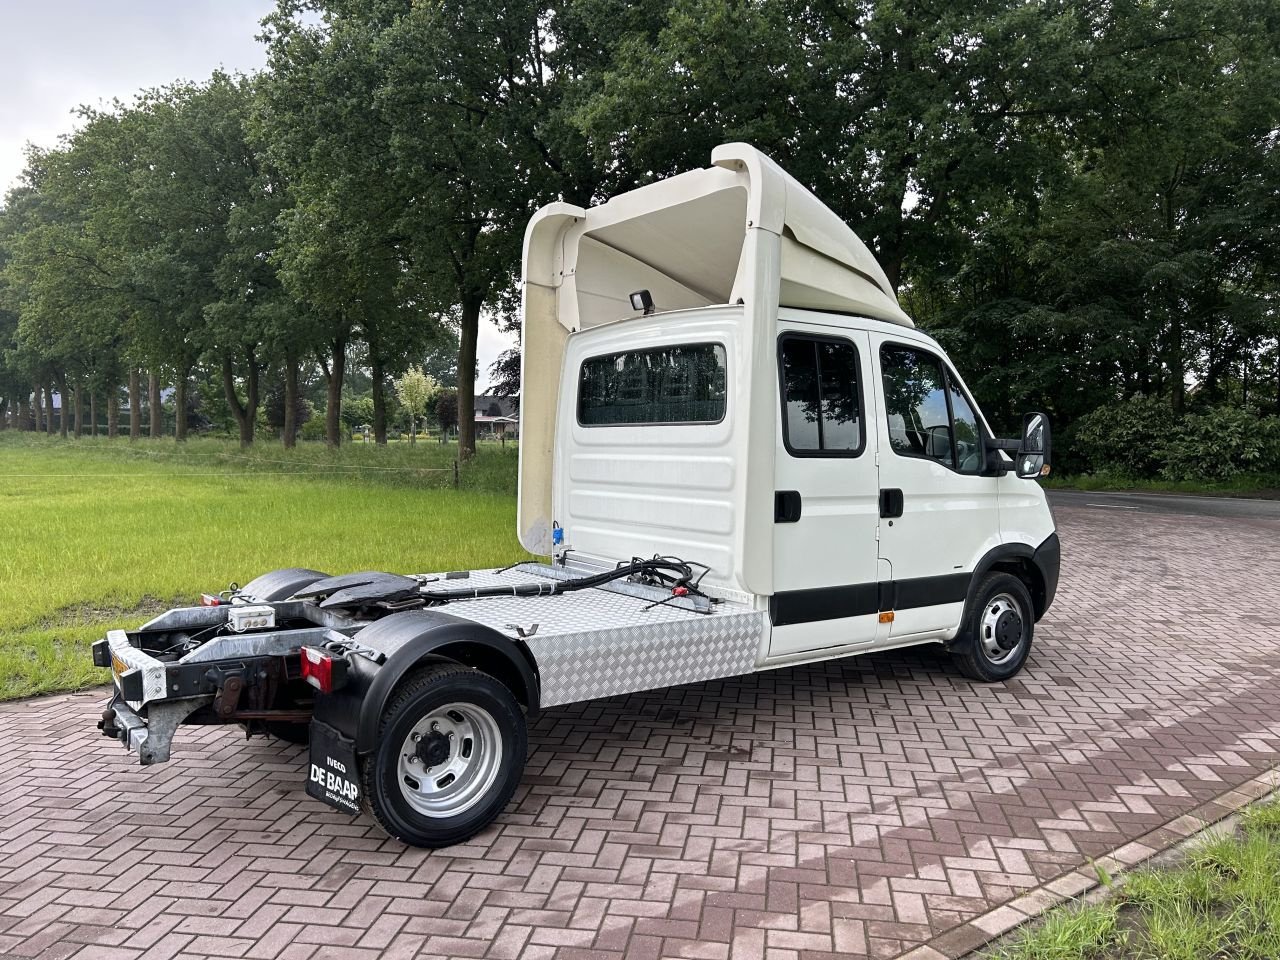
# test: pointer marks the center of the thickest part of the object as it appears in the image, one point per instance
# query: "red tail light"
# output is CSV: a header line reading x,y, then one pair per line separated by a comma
x,y
322,670
209,600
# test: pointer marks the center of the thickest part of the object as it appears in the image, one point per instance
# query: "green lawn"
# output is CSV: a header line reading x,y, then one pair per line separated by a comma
x,y
96,532
1265,486
1222,903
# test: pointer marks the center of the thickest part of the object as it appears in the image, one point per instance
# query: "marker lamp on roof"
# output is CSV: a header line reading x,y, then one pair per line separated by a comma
x,y
642,300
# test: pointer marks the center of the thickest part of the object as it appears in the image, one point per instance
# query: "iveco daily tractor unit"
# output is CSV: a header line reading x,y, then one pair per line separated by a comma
x,y
736,454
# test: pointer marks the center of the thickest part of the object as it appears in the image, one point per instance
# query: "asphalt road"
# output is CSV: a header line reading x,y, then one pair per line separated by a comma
x,y
1234,507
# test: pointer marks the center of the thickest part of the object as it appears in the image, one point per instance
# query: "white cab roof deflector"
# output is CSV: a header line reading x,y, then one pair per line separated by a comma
x,y
685,239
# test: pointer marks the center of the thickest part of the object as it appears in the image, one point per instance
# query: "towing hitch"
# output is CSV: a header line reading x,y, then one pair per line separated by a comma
x,y
108,724
151,738
120,722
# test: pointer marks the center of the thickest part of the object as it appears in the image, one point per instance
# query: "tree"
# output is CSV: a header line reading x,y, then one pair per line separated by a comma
x,y
1079,200
64,280
1147,262
428,165
505,373
447,411
344,250
415,390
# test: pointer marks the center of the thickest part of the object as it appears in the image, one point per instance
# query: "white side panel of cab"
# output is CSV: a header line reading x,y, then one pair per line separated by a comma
x,y
1025,516
637,490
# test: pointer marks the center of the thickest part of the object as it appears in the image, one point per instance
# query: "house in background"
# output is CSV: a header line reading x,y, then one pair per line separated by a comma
x,y
497,417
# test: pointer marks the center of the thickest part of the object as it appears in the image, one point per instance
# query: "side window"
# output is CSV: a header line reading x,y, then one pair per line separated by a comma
x,y
915,396
686,383
821,405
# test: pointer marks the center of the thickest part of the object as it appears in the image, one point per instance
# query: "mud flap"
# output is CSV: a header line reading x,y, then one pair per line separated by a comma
x,y
332,775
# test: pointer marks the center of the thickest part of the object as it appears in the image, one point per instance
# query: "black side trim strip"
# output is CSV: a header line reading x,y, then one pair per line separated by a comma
x,y
928,591
860,599
824,603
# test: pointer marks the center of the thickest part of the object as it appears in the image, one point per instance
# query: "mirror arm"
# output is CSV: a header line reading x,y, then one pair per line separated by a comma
x,y
995,467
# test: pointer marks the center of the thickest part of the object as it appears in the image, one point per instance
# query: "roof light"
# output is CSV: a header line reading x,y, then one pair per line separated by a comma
x,y
642,300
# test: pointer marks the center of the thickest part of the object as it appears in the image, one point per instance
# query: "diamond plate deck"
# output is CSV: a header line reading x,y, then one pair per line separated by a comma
x,y
595,643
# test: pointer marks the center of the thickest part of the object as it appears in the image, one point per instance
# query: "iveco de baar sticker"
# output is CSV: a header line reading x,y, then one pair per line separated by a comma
x,y
334,785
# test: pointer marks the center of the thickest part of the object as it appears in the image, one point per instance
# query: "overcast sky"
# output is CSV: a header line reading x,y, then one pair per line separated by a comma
x,y
58,54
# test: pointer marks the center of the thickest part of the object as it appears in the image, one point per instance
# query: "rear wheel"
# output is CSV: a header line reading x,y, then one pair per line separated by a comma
x,y
996,639
451,749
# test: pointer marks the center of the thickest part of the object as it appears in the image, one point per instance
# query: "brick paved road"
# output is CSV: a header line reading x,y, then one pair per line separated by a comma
x,y
853,808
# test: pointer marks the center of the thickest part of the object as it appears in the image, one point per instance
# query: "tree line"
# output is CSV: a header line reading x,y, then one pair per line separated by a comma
x,y
1080,199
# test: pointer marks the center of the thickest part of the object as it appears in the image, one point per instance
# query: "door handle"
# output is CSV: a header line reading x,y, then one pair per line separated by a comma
x,y
890,502
786,506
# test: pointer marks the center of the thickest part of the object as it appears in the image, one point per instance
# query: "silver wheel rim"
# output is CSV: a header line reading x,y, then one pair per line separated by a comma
x,y
999,606
437,785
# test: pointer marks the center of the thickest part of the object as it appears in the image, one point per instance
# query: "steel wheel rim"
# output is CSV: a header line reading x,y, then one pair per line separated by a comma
x,y
437,786
994,623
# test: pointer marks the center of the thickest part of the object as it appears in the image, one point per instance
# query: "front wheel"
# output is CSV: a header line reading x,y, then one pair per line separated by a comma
x,y
996,637
451,749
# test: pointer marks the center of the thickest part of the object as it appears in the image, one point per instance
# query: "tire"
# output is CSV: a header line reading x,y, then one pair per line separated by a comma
x,y
468,730
998,629
281,584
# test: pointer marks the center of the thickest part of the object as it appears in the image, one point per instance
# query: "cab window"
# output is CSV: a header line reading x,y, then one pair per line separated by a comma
x,y
968,437
685,383
928,415
821,403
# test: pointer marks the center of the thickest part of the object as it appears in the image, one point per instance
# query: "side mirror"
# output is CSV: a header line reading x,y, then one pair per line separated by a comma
x,y
1034,447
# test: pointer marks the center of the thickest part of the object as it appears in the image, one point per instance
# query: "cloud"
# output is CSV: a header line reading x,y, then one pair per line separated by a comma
x,y
60,54
489,344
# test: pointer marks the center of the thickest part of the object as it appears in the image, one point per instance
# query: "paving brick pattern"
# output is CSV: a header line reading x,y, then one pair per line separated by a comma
x,y
855,809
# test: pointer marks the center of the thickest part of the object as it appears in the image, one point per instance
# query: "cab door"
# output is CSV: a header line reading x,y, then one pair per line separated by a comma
x,y
825,510
940,514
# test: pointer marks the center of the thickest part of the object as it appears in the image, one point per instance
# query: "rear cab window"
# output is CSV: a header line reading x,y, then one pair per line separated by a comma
x,y
678,384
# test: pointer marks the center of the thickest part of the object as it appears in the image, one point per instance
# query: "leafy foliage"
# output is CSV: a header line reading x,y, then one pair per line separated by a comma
x,y
1080,201
415,391
1142,437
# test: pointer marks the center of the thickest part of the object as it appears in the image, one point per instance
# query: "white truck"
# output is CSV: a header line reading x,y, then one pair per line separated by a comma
x,y
737,454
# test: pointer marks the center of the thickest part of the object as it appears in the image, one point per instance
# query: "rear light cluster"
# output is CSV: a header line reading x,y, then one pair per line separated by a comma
x,y
322,670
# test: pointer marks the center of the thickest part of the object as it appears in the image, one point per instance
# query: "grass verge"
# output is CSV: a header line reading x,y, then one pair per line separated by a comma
x,y
96,532
1222,902
1262,486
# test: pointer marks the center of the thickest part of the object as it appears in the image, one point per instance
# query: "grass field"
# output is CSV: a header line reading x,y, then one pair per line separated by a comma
x,y
1222,903
1265,486
96,532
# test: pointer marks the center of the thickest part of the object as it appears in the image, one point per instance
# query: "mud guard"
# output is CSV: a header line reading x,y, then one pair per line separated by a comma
x,y
407,639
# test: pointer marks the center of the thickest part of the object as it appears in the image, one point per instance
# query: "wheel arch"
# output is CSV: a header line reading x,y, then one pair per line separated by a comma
x,y
411,639
1018,559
